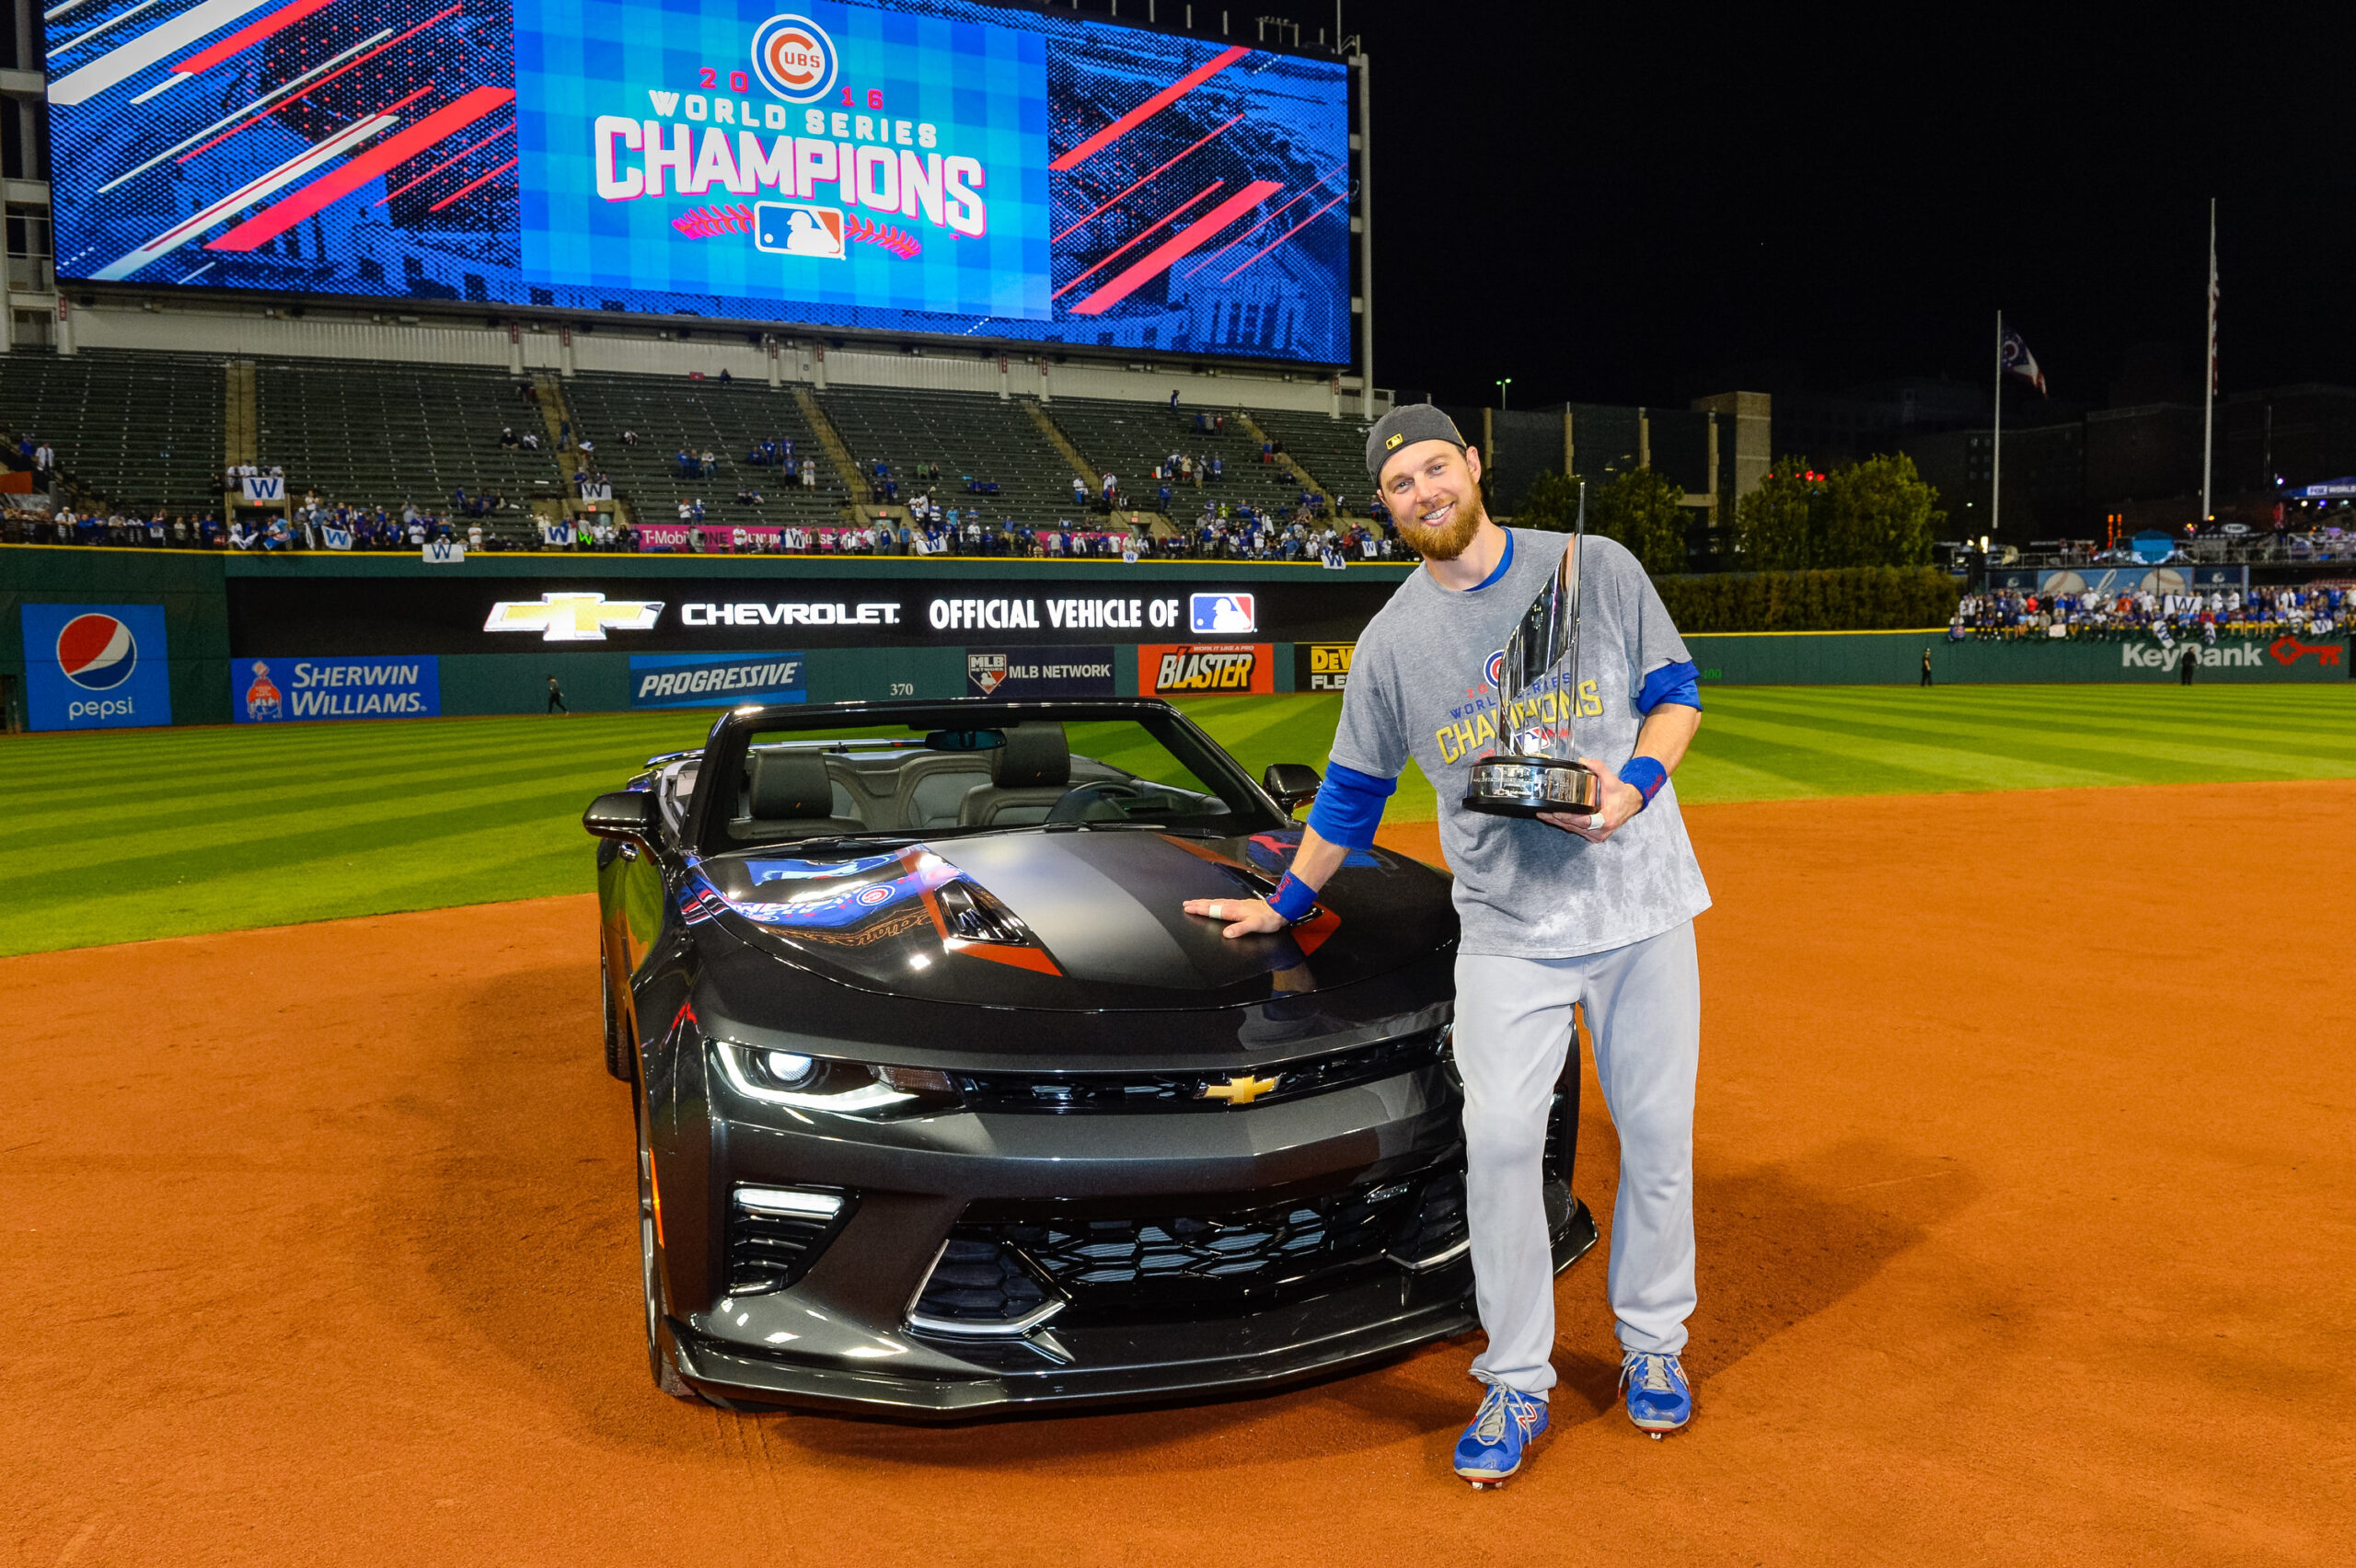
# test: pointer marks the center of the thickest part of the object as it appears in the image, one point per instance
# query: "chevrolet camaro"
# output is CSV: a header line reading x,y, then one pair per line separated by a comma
x,y
946,1106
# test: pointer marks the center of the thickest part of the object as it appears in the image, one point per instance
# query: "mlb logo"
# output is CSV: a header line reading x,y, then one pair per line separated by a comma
x,y
1218,614
796,228
987,671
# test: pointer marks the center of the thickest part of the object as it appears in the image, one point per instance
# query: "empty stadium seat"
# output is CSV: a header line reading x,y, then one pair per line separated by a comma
x,y
138,431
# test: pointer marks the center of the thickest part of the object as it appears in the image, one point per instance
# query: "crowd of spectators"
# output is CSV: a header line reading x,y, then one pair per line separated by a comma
x,y
2313,610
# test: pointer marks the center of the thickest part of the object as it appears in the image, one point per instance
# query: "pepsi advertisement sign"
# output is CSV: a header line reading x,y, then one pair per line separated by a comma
x,y
96,666
276,691
716,680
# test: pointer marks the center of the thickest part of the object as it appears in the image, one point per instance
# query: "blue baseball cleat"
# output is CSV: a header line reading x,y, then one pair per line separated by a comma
x,y
1492,1448
1659,1401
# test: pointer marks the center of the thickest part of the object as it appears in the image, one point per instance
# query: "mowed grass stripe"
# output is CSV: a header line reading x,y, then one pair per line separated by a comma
x,y
142,834
2280,755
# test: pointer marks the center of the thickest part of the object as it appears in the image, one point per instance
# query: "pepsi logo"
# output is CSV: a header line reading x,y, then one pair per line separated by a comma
x,y
96,651
1495,672
794,58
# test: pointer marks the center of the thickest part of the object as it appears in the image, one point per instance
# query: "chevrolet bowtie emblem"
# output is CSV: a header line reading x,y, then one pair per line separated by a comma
x,y
573,618
1241,1090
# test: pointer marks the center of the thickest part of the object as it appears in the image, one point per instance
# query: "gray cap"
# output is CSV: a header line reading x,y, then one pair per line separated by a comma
x,y
1405,426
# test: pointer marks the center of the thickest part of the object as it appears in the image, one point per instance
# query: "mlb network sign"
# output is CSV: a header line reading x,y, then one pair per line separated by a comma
x,y
272,691
716,680
96,666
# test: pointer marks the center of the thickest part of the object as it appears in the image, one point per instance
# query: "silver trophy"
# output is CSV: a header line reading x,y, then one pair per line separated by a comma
x,y
1538,773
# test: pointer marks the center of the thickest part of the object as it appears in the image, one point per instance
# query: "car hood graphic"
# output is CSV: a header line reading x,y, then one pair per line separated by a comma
x,y
1070,919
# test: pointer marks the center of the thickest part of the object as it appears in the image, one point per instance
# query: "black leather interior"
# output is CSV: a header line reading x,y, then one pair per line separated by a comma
x,y
789,786
1028,775
1035,756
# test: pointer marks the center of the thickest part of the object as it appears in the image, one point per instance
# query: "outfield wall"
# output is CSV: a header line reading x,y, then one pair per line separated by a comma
x,y
1895,658
819,630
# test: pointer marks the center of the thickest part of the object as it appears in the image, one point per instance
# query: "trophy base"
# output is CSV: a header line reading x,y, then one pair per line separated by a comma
x,y
1532,786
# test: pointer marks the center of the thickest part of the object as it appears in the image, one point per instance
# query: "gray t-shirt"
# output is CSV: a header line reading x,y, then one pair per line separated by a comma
x,y
1420,687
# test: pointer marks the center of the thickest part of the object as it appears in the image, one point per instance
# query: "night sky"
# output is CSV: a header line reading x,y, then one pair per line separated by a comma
x,y
1628,204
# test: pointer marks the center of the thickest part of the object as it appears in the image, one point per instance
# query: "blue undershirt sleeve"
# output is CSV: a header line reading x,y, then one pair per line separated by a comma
x,y
1349,805
1681,683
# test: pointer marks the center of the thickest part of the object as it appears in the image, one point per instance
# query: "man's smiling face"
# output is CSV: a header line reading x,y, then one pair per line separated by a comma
x,y
1432,490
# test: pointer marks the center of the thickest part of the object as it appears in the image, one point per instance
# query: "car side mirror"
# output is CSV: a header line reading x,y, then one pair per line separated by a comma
x,y
625,814
1290,784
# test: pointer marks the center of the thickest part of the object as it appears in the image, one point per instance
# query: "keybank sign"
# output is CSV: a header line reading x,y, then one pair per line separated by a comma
x,y
2152,656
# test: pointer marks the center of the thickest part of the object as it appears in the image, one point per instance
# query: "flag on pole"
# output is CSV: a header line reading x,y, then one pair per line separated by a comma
x,y
2022,364
2213,305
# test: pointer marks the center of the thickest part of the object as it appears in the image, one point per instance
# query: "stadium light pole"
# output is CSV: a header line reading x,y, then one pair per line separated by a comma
x,y
1504,393
1359,63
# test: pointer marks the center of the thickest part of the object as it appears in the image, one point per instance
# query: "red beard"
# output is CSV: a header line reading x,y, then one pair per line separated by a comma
x,y
1445,543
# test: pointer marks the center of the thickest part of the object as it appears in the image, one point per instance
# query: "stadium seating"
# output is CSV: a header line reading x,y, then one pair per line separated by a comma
x,y
1334,451
137,430
374,434
725,419
1128,439
971,435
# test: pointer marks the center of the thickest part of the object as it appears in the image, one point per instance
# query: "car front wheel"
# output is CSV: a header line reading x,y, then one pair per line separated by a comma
x,y
617,1052
661,1355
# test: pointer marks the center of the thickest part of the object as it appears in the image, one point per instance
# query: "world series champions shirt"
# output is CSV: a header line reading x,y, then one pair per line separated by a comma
x,y
1419,685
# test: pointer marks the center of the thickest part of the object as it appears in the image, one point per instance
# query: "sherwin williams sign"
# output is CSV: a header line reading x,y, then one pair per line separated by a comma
x,y
716,680
96,666
273,691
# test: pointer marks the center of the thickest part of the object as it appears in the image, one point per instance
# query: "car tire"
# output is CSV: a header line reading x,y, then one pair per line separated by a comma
x,y
618,1051
662,1353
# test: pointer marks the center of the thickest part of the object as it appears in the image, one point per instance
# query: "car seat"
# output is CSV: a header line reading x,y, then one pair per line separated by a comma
x,y
931,788
789,792
1028,775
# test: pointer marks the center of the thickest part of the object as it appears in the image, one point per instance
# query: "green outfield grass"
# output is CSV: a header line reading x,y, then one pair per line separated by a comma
x,y
138,833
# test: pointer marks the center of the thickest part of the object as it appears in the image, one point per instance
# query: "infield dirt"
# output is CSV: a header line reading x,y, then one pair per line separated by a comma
x,y
2027,1142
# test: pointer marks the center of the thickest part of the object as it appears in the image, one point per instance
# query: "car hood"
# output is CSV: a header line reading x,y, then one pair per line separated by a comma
x,y
1064,919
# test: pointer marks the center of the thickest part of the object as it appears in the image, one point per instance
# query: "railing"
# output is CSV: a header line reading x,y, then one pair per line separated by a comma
x,y
2254,549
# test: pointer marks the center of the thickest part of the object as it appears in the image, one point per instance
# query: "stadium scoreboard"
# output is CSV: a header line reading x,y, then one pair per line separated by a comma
x,y
924,166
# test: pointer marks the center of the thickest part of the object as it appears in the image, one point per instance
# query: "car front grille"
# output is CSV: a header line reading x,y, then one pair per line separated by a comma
x,y
997,1272
1064,1093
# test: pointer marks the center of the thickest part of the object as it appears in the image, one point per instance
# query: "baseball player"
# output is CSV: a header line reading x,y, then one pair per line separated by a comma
x,y
1556,912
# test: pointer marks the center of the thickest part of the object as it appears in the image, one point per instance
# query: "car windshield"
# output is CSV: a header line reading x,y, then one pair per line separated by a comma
x,y
958,772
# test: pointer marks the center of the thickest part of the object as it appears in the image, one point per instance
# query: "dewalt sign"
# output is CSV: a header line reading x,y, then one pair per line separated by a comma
x,y
1321,667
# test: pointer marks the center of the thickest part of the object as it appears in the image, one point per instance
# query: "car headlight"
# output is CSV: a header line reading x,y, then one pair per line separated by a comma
x,y
827,1083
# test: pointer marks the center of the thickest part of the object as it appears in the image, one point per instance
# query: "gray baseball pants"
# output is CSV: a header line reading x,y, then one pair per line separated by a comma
x,y
1513,1027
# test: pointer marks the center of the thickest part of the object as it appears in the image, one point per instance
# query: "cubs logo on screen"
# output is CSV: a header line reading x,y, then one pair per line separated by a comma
x,y
794,58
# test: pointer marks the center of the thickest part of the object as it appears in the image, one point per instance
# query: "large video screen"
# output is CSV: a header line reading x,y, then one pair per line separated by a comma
x,y
926,166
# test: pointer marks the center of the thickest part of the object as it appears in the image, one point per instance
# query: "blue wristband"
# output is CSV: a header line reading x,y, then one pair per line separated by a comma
x,y
1293,898
1646,774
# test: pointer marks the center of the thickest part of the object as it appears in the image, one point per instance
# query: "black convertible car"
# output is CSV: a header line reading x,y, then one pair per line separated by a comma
x,y
945,1105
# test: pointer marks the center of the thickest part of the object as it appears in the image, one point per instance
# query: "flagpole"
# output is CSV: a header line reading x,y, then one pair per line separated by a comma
x,y
2208,391
1996,444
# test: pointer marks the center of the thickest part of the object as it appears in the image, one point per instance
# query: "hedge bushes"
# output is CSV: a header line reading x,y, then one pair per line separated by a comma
x,y
1853,598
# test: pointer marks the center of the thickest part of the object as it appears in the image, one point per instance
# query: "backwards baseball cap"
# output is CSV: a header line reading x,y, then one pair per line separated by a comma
x,y
1405,426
